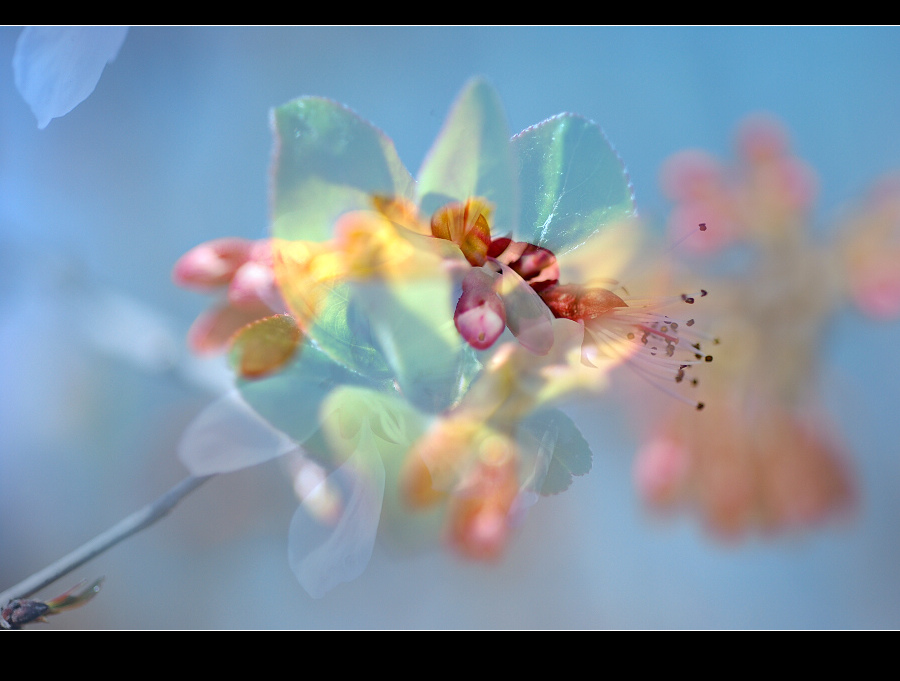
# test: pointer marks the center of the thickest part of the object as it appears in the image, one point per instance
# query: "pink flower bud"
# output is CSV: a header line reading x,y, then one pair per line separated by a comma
x,y
253,285
660,470
480,314
479,514
211,264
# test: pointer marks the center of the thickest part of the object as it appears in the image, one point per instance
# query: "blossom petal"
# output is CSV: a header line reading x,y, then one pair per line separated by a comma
x,y
212,263
572,183
57,67
528,318
472,157
229,435
345,553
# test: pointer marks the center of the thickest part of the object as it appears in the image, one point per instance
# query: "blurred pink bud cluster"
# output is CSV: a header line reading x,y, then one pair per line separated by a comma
x,y
767,190
761,456
872,251
243,270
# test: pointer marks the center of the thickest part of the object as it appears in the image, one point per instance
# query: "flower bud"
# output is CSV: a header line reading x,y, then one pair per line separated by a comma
x,y
480,314
212,263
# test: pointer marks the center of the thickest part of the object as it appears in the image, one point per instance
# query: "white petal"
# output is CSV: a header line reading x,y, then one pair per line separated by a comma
x,y
345,553
527,317
227,436
57,67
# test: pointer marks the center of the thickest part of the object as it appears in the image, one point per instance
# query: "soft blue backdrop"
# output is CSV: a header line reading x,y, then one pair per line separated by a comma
x,y
172,149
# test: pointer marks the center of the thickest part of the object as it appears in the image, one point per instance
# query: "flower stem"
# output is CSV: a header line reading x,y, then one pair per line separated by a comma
x,y
126,527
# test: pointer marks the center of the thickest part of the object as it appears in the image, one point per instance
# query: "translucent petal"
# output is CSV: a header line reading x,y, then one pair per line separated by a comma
x,y
346,552
572,183
527,317
227,436
57,67
471,157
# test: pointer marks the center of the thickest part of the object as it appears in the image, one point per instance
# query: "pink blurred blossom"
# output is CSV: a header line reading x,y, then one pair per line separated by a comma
x,y
242,270
760,457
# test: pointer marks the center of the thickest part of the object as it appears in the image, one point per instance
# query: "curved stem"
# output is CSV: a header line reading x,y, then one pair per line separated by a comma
x,y
134,523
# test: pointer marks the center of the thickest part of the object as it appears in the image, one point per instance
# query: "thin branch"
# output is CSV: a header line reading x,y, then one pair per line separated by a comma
x,y
134,523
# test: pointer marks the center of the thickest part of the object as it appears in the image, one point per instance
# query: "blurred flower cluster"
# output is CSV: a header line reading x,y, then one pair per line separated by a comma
x,y
767,459
408,342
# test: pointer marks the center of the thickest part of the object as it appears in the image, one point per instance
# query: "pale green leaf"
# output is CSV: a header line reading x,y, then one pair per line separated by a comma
x,y
471,157
572,183
290,399
328,161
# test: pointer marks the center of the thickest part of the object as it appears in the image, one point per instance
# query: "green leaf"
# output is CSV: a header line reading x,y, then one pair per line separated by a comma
x,y
572,183
290,399
560,441
472,157
343,332
328,161
412,323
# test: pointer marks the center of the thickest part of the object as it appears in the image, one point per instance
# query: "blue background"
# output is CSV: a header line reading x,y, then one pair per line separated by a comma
x,y
172,149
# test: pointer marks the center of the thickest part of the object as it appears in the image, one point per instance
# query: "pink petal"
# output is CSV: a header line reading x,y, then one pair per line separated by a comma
x,y
211,264
480,316
527,317
213,329
253,285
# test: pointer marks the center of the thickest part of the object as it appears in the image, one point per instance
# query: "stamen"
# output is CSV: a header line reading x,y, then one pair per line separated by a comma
x,y
608,332
700,228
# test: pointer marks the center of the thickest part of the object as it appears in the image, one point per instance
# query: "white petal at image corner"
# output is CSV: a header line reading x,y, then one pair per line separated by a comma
x,y
57,67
